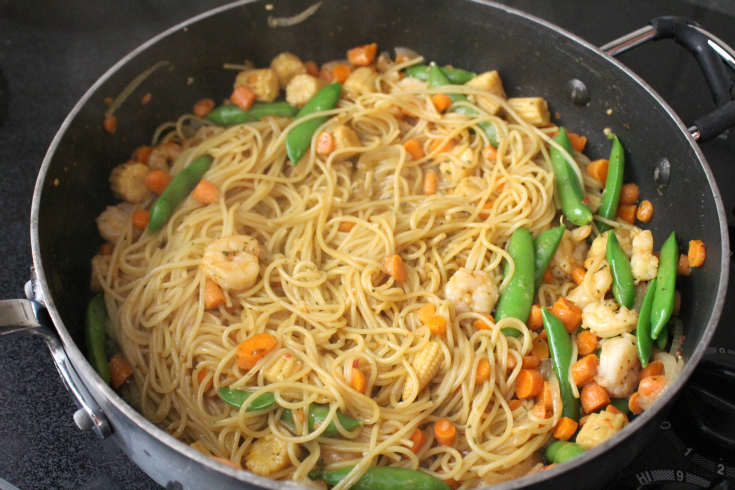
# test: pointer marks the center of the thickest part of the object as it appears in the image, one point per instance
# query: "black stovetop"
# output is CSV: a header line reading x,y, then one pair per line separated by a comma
x,y
52,52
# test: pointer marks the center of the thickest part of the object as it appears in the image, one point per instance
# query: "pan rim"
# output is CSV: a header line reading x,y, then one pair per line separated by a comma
x,y
89,375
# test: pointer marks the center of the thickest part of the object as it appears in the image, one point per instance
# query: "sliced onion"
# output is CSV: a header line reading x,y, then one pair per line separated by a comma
x,y
274,22
132,86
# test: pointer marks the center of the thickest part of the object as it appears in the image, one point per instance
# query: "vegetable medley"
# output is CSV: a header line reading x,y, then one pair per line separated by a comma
x,y
612,341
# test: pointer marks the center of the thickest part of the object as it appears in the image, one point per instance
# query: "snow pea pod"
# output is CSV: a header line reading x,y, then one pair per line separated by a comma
x,y
229,115
663,338
456,76
317,416
180,187
561,451
663,299
236,398
517,298
95,338
437,78
644,342
546,244
299,138
567,183
560,348
613,183
382,478
623,282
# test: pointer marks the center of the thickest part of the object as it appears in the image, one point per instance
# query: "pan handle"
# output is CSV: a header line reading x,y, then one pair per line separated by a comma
x,y
26,317
714,58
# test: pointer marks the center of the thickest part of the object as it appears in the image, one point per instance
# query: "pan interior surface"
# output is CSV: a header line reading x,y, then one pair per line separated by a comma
x,y
532,59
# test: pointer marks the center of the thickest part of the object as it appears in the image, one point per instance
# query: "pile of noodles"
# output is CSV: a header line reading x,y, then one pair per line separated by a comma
x,y
324,295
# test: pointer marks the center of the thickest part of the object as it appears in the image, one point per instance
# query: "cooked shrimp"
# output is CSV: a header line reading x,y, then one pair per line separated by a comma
x,y
469,186
100,269
643,262
602,319
128,181
601,282
163,155
232,261
456,170
569,255
599,245
410,83
619,368
112,222
471,291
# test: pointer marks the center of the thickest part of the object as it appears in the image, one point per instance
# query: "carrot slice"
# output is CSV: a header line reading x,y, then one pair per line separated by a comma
x,y
442,145
627,212
586,343
565,428
254,348
359,381
201,375
514,405
311,68
540,348
325,143
578,142
651,384
141,218
414,148
585,369
342,72
696,253
430,183
243,97
530,362
645,211
142,153
629,193
511,363
490,153
529,383
548,276
395,267
633,404
346,226
362,55
682,268
205,192
441,102
445,432
483,371
569,313
110,124
482,324
203,107
425,312
120,370
535,320
419,439
157,181
213,295
578,274
437,324
598,170
594,397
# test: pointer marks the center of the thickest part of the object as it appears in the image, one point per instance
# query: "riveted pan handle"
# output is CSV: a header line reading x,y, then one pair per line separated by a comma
x,y
714,58
20,317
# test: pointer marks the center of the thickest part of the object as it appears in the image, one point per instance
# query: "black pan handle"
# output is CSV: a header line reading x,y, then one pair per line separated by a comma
x,y
714,58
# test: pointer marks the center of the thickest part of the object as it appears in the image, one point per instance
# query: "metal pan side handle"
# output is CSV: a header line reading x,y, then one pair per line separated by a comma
x,y
20,317
714,58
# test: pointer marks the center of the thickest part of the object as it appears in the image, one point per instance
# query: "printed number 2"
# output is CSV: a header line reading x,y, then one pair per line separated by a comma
x,y
720,469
